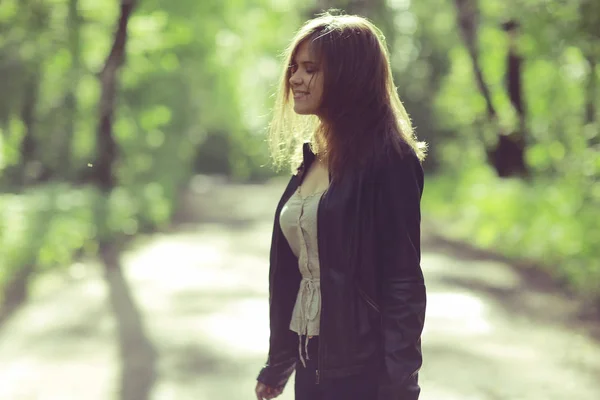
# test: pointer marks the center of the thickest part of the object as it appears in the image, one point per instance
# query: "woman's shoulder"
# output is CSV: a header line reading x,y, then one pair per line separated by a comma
x,y
394,169
398,159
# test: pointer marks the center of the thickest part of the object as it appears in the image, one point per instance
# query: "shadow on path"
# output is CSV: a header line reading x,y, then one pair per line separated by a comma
x,y
138,356
535,295
15,293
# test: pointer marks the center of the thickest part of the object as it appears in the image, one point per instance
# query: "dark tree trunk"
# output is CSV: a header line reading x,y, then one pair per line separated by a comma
x,y
31,169
73,22
28,144
592,88
508,155
514,66
106,145
591,111
468,20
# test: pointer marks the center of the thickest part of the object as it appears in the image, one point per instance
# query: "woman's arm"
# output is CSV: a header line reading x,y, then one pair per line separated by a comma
x,y
280,365
403,297
283,290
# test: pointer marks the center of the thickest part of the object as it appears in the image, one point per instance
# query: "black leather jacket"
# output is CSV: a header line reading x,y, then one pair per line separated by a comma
x,y
372,287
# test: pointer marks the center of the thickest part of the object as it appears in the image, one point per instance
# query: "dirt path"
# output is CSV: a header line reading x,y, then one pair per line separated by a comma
x,y
202,293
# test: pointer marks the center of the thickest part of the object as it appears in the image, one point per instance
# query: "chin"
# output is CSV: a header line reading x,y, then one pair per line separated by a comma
x,y
303,111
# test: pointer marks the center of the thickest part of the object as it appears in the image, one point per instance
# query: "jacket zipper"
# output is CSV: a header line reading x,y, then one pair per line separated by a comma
x,y
321,264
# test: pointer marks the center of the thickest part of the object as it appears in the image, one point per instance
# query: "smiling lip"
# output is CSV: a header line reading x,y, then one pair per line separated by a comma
x,y
298,95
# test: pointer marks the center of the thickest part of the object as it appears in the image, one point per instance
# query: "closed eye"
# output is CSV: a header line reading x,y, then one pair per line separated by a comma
x,y
308,66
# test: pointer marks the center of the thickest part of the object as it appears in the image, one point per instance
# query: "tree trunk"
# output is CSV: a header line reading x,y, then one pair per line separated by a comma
x,y
468,20
106,145
28,144
73,22
31,168
592,84
508,155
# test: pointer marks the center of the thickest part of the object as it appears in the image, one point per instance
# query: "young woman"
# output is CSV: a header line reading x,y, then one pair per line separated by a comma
x,y
347,296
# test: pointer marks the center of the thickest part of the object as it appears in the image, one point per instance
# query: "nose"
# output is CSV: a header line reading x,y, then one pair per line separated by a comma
x,y
295,80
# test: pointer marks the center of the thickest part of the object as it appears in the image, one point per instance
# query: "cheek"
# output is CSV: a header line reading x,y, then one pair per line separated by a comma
x,y
319,86
319,94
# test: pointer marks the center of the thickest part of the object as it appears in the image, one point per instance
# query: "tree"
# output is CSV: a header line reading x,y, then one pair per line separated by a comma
x,y
106,145
508,154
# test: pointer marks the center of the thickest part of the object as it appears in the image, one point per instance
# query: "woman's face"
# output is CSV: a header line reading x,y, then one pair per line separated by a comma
x,y
306,81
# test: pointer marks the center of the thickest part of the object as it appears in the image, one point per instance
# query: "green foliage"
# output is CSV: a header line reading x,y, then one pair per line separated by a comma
x,y
48,225
550,222
194,96
193,71
552,217
191,68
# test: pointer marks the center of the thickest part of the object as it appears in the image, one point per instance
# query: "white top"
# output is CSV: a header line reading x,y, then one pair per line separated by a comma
x,y
298,222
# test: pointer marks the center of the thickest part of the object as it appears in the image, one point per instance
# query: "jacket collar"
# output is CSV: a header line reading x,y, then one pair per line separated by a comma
x,y
307,159
307,154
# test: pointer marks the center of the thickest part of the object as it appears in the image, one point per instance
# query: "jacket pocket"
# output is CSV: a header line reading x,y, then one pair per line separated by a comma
x,y
366,329
368,300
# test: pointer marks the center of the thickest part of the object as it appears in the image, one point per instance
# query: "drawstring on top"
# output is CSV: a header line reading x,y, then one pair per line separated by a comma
x,y
309,310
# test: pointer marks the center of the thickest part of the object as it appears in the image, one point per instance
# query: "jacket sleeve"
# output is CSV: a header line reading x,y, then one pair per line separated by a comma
x,y
283,343
402,287
279,367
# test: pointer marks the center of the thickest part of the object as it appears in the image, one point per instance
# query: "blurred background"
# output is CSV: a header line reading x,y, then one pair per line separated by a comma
x,y
136,196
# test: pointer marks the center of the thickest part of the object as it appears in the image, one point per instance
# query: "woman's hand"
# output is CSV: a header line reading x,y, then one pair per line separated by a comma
x,y
264,392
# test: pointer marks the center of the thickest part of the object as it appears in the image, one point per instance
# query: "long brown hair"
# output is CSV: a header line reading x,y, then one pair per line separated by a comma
x,y
360,114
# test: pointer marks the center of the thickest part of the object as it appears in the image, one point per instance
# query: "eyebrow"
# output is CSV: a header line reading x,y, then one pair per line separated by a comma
x,y
304,62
